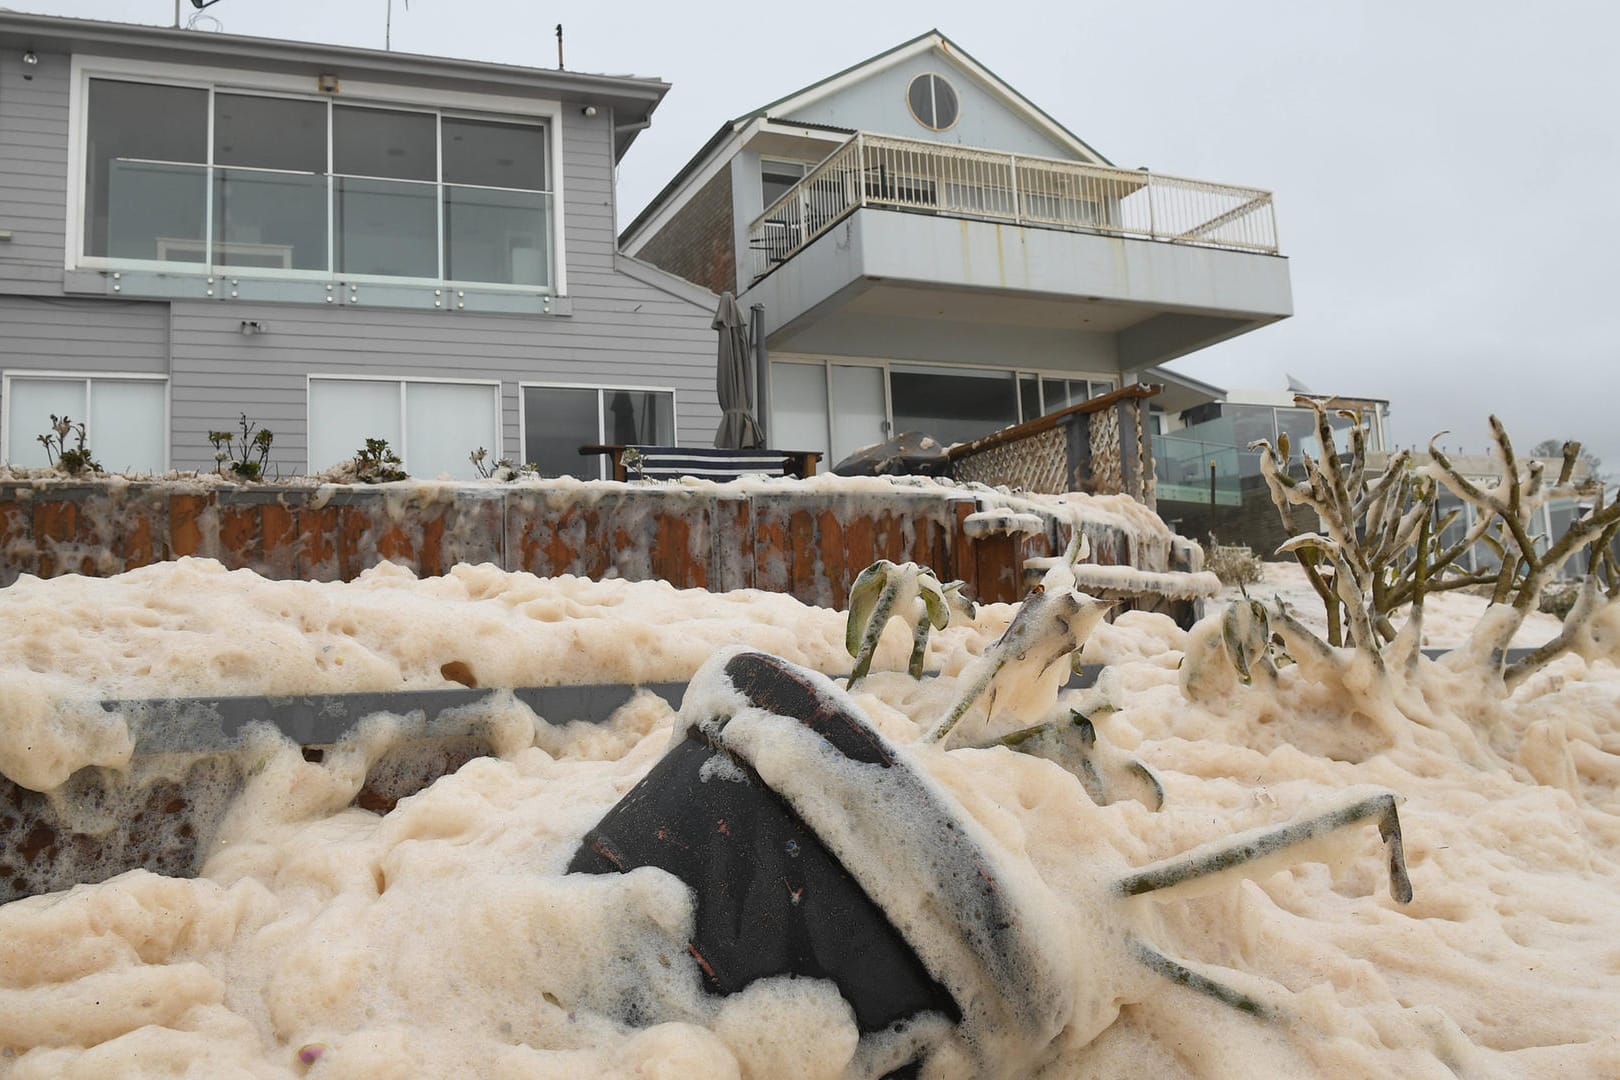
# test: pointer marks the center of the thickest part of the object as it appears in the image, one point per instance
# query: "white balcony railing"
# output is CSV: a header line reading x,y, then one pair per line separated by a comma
x,y
916,175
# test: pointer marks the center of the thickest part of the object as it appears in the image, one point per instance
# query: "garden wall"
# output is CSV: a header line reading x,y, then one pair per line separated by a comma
x,y
809,542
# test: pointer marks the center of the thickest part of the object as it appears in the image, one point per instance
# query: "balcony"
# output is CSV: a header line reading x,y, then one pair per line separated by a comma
x,y
986,185
953,253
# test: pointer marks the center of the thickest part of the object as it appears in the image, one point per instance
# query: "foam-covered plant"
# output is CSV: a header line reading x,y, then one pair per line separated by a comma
x,y
503,469
375,463
1029,664
244,456
1234,564
1021,674
633,461
73,460
887,590
1369,545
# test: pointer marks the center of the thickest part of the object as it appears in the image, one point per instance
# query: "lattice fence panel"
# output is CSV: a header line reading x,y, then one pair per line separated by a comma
x,y
1149,482
1039,463
1107,477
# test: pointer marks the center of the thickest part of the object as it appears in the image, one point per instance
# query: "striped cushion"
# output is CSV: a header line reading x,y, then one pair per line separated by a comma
x,y
707,463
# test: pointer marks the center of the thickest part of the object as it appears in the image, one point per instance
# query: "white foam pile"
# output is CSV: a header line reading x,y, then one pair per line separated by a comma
x,y
443,939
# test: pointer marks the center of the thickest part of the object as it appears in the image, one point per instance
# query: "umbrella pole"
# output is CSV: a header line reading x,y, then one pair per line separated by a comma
x,y
759,388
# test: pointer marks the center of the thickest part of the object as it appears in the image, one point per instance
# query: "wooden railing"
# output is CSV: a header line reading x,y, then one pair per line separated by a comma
x,y
921,176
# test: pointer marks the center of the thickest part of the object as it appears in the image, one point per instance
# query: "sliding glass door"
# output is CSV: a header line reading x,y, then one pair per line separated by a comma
x,y
859,414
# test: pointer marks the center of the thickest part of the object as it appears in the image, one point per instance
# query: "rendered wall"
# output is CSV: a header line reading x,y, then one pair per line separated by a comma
x,y
808,544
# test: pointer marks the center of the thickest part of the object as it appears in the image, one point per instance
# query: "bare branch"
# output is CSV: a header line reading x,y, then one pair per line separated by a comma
x,y
1572,454
1586,605
1459,484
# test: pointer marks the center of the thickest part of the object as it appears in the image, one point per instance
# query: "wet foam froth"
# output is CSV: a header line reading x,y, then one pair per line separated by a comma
x,y
442,938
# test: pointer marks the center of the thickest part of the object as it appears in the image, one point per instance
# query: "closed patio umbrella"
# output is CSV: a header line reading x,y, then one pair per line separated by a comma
x,y
733,380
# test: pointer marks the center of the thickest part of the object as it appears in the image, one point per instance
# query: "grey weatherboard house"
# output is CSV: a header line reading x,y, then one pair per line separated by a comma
x,y
341,243
934,252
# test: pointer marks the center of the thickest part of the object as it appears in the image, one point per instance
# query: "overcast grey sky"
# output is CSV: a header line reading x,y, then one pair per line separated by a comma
x,y
1447,174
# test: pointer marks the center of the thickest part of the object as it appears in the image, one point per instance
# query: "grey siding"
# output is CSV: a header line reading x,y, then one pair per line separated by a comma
x,y
878,103
588,197
61,334
33,171
634,335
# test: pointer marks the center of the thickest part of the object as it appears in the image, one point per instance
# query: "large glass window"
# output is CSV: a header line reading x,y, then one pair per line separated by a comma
x,y
125,419
383,192
269,182
433,426
314,186
952,404
558,420
146,180
496,224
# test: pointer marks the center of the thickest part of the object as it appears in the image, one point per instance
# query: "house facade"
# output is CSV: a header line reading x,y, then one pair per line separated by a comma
x,y
341,243
934,252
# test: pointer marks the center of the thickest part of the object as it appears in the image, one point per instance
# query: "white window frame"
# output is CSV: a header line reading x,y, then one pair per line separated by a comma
x,y
601,420
403,450
933,99
456,104
785,163
89,379
1040,390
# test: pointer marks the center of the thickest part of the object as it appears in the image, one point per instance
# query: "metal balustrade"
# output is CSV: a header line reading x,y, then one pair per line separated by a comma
x,y
927,177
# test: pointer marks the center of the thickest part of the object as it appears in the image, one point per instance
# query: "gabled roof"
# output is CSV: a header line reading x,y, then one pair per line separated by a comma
x,y
931,39
924,42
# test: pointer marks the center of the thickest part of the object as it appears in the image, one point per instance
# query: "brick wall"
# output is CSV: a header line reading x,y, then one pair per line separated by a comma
x,y
697,242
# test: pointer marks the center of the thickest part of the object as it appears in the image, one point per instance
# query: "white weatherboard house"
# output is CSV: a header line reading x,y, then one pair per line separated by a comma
x,y
934,252
342,243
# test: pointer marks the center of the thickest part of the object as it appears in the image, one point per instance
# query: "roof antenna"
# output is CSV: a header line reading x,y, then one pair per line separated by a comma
x,y
388,26
559,47
197,16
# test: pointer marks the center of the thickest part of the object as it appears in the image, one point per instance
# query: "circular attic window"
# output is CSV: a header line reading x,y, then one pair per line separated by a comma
x,y
932,101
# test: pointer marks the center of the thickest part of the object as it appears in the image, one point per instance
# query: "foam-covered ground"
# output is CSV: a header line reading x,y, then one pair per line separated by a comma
x,y
443,940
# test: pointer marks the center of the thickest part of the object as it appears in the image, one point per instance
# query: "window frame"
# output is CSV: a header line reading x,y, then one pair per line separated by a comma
x,y
88,378
933,100
765,163
403,450
546,113
601,419
827,361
